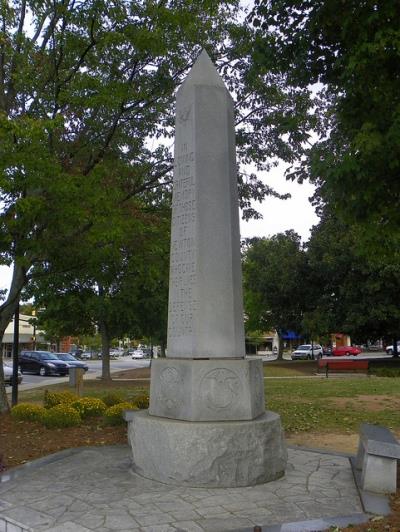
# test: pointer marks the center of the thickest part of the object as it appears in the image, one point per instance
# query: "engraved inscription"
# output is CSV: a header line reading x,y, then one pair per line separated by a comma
x,y
171,386
184,114
220,388
183,275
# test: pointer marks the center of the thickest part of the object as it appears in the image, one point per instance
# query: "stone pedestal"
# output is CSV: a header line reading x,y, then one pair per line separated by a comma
x,y
207,390
214,454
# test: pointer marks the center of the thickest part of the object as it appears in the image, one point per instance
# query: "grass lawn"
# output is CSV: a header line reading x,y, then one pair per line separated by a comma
x,y
305,404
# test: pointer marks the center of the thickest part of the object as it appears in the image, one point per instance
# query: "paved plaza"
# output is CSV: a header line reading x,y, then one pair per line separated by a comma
x,y
93,489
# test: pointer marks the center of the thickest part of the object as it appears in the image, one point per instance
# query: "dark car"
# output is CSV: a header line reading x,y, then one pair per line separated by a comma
x,y
42,362
72,361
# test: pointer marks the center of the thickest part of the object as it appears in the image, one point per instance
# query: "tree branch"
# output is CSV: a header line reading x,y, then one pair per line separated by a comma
x,y
18,40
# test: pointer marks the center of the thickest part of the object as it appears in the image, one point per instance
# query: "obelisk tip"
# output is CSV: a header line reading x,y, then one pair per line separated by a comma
x,y
203,72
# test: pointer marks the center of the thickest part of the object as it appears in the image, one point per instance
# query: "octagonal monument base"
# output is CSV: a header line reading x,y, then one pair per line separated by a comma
x,y
213,454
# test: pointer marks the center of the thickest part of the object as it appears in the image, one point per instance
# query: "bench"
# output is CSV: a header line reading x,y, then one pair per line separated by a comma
x,y
378,452
342,365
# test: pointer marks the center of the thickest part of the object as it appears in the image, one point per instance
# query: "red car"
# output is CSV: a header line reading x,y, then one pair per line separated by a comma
x,y
346,350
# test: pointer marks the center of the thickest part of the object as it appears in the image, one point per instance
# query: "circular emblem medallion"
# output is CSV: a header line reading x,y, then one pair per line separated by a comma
x,y
220,388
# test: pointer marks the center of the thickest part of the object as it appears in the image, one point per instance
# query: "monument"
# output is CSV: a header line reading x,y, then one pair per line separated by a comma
x,y
206,425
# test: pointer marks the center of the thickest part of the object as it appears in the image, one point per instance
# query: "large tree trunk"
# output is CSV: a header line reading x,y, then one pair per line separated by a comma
x,y
105,351
7,311
280,348
162,349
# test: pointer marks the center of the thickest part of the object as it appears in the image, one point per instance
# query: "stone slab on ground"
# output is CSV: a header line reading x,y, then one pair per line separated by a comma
x,y
93,489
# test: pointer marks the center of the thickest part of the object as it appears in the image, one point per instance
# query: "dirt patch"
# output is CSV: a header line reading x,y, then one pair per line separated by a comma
x,y
372,403
341,442
138,373
22,441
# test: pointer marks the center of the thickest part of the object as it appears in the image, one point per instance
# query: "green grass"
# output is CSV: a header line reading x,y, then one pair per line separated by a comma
x,y
304,404
309,404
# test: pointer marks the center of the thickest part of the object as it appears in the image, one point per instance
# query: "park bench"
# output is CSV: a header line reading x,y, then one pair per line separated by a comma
x,y
342,365
378,452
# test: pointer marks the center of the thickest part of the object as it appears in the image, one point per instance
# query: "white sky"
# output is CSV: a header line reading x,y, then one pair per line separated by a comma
x,y
279,215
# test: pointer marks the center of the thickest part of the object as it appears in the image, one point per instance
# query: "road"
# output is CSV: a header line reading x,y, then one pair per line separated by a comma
x,y
124,363
118,364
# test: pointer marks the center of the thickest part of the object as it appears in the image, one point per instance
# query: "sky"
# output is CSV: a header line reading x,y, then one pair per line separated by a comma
x,y
279,215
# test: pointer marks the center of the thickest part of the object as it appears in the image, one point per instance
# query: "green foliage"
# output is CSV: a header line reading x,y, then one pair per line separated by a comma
x,y
27,412
113,415
61,416
275,287
51,399
142,401
354,292
386,372
86,116
89,407
112,398
352,53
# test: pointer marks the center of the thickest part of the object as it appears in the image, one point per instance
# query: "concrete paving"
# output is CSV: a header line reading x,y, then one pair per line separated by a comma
x,y
93,489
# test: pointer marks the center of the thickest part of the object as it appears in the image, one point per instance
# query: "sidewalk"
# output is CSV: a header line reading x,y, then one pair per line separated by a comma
x,y
94,489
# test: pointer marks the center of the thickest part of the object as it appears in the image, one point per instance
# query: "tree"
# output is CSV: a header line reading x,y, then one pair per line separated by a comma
x,y
120,290
351,55
354,293
275,288
85,87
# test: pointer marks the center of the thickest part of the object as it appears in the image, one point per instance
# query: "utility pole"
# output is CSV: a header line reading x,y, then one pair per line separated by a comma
x,y
14,394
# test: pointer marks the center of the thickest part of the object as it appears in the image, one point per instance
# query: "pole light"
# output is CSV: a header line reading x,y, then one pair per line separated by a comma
x,y
14,393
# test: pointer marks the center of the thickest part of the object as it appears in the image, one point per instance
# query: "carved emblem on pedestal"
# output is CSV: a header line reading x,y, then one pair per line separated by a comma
x,y
220,388
171,386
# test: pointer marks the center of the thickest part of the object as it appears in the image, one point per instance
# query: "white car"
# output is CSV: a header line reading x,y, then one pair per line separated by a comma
x,y
389,349
86,355
307,351
8,372
138,353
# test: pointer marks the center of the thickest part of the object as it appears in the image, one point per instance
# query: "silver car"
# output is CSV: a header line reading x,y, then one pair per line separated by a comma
x,y
8,372
307,351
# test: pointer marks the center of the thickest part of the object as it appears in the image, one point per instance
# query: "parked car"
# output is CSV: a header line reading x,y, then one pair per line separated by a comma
x,y
8,373
42,362
390,351
307,351
138,353
115,353
346,350
85,355
72,361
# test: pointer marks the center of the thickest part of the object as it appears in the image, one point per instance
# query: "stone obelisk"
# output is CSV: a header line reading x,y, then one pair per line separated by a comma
x,y
206,424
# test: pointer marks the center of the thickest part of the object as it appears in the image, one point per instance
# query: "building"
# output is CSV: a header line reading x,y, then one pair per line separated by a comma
x,y
29,338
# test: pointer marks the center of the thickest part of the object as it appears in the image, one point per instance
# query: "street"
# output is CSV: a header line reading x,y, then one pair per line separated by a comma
x,y
118,364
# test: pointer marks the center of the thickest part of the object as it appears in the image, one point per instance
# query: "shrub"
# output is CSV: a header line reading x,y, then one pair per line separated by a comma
x,y
60,416
385,372
89,407
58,398
27,412
113,415
142,401
112,398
